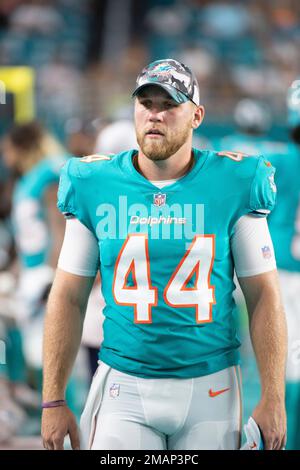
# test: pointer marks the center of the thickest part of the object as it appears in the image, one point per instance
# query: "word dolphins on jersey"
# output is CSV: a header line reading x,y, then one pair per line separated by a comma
x,y
116,221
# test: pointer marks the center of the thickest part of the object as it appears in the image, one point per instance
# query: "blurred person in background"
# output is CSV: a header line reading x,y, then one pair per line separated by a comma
x,y
81,135
34,159
12,378
284,226
13,388
253,121
116,137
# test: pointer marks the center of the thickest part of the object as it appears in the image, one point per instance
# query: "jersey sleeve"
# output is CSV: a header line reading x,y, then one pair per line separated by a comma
x,y
263,189
66,192
80,252
252,246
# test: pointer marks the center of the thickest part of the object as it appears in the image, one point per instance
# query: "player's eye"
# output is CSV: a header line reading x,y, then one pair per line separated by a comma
x,y
170,104
146,103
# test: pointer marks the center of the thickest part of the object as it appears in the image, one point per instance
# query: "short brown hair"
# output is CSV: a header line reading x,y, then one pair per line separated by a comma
x,y
27,137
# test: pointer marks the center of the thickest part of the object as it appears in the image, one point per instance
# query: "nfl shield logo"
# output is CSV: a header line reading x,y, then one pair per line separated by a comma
x,y
159,199
114,390
266,252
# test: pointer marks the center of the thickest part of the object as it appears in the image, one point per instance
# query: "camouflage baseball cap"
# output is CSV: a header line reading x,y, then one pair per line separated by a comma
x,y
176,78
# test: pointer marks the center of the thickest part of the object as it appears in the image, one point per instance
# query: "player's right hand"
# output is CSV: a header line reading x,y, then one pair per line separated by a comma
x,y
56,424
270,416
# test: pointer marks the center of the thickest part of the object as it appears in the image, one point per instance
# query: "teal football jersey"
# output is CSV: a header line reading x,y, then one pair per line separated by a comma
x,y
165,258
30,227
284,222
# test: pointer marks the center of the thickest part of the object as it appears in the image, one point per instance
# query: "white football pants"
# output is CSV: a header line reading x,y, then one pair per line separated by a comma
x,y
124,412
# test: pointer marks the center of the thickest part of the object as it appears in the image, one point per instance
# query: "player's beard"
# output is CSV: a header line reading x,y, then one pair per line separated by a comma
x,y
164,147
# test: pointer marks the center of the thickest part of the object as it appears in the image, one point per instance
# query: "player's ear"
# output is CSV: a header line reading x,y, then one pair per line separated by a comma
x,y
198,117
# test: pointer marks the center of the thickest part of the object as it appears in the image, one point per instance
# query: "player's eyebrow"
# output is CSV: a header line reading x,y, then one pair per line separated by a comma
x,y
164,99
153,93
171,101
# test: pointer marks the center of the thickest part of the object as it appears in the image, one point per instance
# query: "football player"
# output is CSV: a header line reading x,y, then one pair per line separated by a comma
x,y
285,231
253,121
166,224
35,159
284,226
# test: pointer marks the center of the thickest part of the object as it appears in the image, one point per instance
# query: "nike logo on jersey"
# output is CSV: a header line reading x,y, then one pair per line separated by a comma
x,y
218,392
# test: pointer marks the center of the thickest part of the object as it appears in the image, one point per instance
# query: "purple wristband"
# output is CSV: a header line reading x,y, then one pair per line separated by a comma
x,y
53,404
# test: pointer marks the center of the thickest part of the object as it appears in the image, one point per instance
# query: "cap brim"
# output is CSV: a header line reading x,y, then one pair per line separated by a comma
x,y
175,94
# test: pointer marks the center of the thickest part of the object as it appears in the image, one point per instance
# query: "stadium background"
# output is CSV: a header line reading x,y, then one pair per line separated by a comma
x,y
72,65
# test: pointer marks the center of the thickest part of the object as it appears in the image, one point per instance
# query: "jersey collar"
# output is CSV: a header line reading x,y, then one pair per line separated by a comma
x,y
200,157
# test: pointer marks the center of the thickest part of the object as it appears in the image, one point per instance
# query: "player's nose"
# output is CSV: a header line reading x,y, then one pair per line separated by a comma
x,y
155,114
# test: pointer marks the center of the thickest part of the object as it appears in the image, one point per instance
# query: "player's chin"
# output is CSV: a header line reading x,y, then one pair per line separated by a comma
x,y
156,155
155,151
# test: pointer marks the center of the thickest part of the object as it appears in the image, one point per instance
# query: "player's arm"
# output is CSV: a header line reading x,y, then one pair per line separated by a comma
x,y
269,339
62,335
77,267
256,269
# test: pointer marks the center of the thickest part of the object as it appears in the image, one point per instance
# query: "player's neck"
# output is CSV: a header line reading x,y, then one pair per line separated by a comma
x,y
174,167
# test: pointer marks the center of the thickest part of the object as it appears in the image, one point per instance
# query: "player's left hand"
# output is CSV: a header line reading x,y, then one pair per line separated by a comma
x,y
270,416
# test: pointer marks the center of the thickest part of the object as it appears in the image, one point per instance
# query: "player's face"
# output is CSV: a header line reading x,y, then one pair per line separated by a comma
x,y
10,154
162,125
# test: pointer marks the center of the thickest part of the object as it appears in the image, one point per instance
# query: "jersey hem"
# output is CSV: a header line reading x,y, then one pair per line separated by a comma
x,y
216,365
